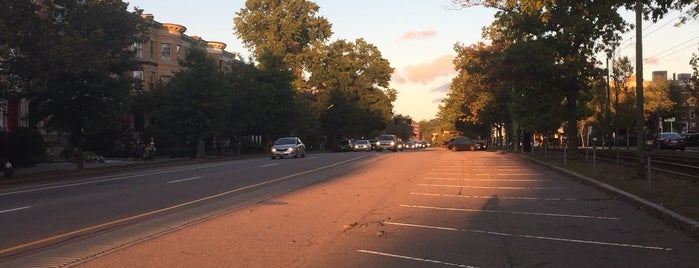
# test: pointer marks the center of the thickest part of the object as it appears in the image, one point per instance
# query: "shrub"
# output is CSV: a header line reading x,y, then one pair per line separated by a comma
x,y
25,146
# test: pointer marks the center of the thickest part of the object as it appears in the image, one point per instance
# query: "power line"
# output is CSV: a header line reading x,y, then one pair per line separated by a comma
x,y
669,49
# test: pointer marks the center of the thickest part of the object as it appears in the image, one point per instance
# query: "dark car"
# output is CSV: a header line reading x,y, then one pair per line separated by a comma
x,y
344,146
669,140
691,139
462,144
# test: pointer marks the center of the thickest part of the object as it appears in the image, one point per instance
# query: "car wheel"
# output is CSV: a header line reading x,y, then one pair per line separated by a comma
x,y
273,157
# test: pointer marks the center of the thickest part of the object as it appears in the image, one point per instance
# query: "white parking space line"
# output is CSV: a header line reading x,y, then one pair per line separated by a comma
x,y
492,187
187,179
507,180
496,197
13,209
514,212
577,241
414,258
269,165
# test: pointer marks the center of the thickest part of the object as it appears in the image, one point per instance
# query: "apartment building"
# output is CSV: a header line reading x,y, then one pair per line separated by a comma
x,y
160,58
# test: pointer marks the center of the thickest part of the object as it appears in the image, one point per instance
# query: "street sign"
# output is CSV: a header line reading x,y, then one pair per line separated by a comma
x,y
669,120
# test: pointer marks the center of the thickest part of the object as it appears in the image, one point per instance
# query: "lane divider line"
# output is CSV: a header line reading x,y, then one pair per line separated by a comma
x,y
492,187
269,165
187,179
513,180
414,258
496,197
514,212
578,241
13,209
94,227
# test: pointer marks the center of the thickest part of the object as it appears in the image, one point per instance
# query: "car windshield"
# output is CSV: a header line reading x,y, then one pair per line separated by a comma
x,y
362,142
343,142
386,137
284,141
670,135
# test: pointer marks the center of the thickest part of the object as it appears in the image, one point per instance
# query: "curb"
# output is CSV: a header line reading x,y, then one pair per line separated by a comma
x,y
673,218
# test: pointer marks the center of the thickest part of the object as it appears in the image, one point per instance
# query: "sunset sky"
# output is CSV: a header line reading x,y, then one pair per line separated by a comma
x,y
417,37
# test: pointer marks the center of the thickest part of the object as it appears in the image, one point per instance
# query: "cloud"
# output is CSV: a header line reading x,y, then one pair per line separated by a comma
x,y
427,72
418,34
443,89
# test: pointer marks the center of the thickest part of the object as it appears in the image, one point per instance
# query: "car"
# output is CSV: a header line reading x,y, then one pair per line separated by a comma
x,y
362,145
462,144
481,146
691,139
669,140
387,142
288,146
373,144
412,145
343,145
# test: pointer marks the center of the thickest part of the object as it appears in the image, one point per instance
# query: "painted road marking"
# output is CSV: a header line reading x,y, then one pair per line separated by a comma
x,y
95,227
512,180
187,179
414,258
90,181
514,212
493,187
13,209
269,165
577,241
496,197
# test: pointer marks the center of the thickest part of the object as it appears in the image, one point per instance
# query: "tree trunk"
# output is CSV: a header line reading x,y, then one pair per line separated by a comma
x,y
571,130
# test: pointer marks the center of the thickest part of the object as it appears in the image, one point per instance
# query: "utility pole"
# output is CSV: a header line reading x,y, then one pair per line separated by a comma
x,y
640,133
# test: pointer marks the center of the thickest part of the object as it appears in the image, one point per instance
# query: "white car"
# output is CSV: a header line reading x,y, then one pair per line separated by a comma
x,y
362,145
288,146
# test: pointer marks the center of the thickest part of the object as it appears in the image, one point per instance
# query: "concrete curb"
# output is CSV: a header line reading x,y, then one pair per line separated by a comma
x,y
673,218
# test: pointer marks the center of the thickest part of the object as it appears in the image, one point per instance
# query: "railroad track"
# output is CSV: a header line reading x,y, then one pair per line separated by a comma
x,y
683,165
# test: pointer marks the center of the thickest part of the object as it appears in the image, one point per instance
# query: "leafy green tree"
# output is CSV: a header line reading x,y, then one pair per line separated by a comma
x,y
70,61
196,101
401,126
282,28
352,83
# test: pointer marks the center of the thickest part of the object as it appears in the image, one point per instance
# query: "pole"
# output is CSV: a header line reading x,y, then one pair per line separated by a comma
x,y
640,134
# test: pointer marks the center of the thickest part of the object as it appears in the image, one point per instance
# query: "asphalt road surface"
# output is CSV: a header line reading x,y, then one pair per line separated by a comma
x,y
430,208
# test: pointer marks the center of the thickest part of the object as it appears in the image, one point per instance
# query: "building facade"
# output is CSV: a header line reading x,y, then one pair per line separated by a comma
x,y
160,58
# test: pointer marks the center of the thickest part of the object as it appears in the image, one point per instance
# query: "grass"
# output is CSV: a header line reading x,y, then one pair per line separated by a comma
x,y
677,194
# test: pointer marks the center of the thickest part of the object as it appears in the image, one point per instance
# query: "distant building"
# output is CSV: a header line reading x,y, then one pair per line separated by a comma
x,y
160,58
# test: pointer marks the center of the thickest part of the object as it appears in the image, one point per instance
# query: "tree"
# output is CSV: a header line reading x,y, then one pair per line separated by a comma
x,y
401,126
352,83
71,61
196,101
284,29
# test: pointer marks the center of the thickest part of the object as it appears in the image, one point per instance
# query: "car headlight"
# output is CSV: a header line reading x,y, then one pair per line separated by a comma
x,y
274,150
393,143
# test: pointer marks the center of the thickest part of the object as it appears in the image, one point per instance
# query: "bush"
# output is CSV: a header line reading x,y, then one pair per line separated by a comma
x,y
25,146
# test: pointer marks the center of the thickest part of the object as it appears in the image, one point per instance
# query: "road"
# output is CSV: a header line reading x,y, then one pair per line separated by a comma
x,y
431,208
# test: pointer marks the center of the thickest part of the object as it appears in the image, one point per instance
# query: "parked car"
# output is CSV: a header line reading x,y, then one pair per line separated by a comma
x,y
343,145
462,144
362,145
669,140
288,146
387,142
691,139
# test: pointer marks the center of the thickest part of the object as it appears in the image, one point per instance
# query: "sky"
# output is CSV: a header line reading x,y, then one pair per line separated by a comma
x,y
417,37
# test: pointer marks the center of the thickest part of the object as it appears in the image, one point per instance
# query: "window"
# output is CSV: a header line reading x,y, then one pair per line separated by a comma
x,y
165,52
152,81
138,49
179,51
138,81
165,79
692,114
